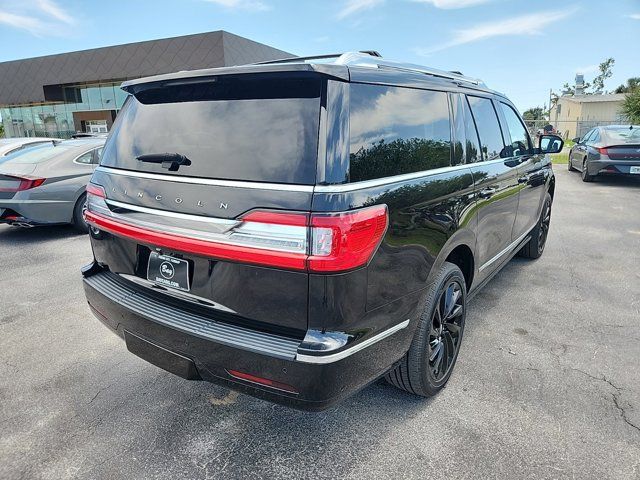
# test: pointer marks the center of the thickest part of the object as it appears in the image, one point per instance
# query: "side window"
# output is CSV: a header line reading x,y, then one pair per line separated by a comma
x,y
97,153
595,136
85,157
396,130
466,148
587,136
520,144
488,127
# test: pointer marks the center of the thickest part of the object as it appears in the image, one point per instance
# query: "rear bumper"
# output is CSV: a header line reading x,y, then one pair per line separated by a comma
x,y
193,346
38,212
612,167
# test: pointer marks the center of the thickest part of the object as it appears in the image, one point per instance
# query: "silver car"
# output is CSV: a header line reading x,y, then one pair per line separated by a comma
x,y
13,145
45,185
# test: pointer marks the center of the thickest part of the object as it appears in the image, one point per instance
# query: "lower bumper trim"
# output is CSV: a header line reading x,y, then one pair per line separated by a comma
x,y
334,357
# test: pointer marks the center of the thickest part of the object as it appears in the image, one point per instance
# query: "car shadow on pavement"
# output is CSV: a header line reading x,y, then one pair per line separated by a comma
x,y
10,235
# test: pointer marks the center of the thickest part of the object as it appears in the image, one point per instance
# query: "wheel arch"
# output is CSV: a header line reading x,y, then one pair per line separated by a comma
x,y
459,250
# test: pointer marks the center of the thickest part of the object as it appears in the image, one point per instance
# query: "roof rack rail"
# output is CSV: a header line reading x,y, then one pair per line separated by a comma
x,y
357,59
371,53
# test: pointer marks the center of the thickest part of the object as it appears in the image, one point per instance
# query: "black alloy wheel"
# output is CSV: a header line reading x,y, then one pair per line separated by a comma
x,y
545,223
427,366
447,323
538,235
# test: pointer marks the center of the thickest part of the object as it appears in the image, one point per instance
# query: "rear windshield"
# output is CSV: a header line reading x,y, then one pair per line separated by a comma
x,y
36,154
623,135
237,127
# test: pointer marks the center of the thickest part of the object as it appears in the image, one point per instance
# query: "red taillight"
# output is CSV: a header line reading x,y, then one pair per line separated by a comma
x,y
21,183
344,241
222,251
602,150
96,190
262,381
316,242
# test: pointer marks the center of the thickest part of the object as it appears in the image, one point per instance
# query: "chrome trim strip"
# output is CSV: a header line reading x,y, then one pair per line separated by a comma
x,y
208,181
165,213
380,182
510,247
324,359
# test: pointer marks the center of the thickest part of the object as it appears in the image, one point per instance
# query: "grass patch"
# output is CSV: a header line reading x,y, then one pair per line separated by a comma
x,y
561,158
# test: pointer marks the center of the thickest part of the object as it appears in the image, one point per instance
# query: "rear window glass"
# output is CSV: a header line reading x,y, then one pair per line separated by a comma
x,y
237,127
397,130
623,135
35,154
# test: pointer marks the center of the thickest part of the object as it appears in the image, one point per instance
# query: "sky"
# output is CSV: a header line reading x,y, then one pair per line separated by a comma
x,y
519,47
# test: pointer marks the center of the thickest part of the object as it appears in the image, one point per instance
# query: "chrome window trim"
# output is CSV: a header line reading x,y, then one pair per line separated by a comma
x,y
324,359
337,188
208,181
380,182
166,213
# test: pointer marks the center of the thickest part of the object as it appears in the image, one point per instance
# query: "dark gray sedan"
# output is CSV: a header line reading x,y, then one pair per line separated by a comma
x,y
45,185
607,150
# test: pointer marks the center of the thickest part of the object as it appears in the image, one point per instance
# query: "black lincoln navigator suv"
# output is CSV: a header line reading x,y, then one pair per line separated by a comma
x,y
298,229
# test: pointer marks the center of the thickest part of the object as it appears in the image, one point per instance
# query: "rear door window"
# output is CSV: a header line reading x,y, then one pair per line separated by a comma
x,y
395,130
260,127
520,144
467,147
489,131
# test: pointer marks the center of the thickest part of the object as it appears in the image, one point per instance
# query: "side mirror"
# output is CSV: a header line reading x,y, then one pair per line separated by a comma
x,y
576,140
550,144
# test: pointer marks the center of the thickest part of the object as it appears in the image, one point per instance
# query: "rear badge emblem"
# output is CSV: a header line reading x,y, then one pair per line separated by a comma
x,y
167,271
224,205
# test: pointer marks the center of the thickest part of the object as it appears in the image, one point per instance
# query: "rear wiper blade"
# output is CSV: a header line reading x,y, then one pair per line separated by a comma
x,y
170,161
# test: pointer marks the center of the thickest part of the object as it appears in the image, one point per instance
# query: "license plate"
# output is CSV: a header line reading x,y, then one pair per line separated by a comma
x,y
635,170
168,271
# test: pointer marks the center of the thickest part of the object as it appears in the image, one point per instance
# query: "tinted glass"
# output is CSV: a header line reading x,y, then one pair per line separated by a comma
x,y
246,127
488,127
519,138
466,148
587,136
622,135
397,130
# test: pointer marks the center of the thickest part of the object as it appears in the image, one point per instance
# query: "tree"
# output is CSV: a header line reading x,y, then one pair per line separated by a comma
x,y
632,84
605,72
568,89
1,130
631,106
535,113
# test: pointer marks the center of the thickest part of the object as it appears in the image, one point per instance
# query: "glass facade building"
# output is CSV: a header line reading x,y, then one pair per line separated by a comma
x,y
64,118
59,95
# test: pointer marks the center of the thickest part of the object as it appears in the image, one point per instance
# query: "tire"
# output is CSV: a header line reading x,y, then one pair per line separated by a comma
x,y
585,175
427,366
535,246
569,164
78,220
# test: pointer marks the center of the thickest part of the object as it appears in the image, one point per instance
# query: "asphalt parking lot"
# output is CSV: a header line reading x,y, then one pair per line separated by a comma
x,y
547,384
